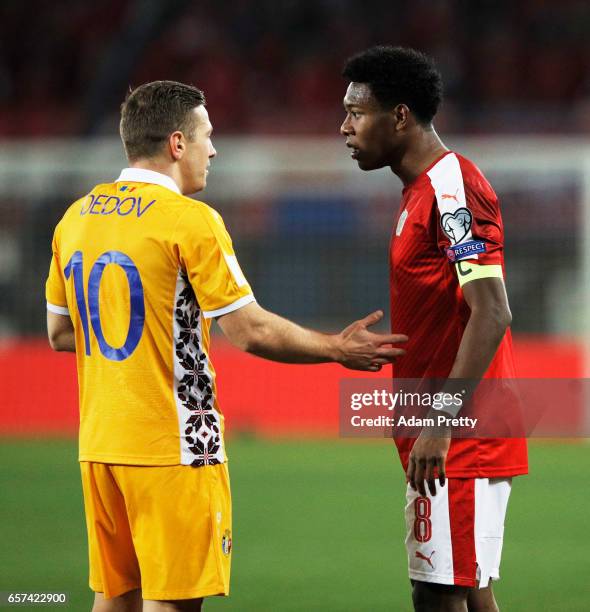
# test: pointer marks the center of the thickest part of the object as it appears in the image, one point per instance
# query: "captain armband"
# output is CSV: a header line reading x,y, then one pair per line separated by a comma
x,y
468,270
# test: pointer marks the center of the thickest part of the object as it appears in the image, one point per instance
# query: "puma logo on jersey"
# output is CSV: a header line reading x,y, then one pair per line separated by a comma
x,y
450,196
419,555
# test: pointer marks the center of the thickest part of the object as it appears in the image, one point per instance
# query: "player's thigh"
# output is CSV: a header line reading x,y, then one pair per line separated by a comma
x,y
482,600
429,596
180,518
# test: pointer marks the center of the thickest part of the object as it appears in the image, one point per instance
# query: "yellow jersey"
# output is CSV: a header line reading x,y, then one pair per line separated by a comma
x,y
141,270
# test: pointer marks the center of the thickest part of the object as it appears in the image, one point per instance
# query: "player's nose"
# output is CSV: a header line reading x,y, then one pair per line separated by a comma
x,y
346,128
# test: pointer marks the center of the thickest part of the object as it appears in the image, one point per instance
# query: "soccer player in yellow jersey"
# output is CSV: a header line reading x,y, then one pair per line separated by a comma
x,y
138,272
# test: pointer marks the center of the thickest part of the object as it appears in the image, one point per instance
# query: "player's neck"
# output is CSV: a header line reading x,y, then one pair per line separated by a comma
x,y
423,149
156,165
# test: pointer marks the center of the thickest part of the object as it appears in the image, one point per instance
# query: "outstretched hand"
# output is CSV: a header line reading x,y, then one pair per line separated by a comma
x,y
361,349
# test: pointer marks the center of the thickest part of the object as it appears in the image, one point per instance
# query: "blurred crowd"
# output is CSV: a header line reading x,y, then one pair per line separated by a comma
x,y
274,66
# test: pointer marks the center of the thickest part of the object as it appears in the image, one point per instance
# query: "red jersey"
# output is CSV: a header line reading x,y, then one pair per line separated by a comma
x,y
449,214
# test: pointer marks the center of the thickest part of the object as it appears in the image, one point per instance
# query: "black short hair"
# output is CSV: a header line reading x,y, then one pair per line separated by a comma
x,y
152,111
399,75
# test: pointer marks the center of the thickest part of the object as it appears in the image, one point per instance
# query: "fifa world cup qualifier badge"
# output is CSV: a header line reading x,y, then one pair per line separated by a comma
x,y
226,542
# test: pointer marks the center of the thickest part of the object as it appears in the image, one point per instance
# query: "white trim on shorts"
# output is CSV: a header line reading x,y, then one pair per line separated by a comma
x,y
456,536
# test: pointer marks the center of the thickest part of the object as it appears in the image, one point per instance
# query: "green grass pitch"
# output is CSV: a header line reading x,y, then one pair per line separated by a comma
x,y
318,525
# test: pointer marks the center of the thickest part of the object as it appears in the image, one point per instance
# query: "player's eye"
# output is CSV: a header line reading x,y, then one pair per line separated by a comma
x,y
355,114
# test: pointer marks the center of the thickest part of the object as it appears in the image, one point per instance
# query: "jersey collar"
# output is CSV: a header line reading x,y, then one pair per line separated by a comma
x,y
424,172
141,175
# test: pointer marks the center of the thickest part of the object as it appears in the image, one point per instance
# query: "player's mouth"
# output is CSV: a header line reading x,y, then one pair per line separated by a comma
x,y
355,151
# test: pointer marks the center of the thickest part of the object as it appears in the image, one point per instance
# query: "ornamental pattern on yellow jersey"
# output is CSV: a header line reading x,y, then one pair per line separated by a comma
x,y
199,421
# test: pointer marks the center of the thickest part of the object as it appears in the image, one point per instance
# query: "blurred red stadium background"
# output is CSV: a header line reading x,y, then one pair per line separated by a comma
x,y
311,231
256,396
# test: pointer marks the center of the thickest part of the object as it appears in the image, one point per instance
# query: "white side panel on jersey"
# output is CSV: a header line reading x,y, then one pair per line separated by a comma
x,y
432,560
199,423
447,182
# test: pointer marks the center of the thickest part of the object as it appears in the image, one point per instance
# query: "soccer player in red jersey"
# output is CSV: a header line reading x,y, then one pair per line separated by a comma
x,y
448,295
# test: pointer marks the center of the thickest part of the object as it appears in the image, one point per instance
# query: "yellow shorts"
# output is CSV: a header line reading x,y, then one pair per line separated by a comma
x,y
165,530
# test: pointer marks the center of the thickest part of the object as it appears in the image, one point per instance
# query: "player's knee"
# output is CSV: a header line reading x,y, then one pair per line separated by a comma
x,y
128,602
482,600
180,605
485,607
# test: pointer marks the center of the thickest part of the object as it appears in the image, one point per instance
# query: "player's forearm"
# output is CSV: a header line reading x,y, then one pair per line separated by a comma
x,y
482,336
262,333
281,340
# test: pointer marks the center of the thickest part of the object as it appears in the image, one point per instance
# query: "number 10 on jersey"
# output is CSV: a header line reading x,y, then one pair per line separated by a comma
x,y
137,314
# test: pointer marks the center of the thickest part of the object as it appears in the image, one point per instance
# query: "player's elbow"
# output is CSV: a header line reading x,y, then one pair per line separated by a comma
x,y
248,328
244,336
241,340
56,342
61,341
505,318
60,332
500,318
254,339
495,317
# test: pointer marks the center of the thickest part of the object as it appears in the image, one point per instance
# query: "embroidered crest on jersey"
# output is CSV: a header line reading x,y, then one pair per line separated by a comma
x,y
226,542
401,222
200,427
457,225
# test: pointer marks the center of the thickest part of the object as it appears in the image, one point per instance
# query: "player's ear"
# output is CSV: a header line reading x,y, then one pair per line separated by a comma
x,y
400,115
176,145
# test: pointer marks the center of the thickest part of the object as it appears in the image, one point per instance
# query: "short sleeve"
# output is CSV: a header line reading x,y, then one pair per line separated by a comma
x,y
468,221
208,257
55,287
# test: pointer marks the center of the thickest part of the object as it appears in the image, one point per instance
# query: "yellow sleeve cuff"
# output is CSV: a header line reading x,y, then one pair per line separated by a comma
x,y
468,271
